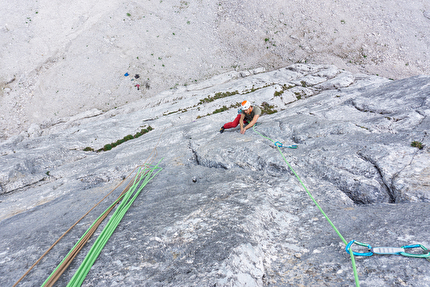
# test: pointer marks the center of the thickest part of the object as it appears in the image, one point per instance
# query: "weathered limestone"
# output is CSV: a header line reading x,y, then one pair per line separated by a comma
x,y
226,210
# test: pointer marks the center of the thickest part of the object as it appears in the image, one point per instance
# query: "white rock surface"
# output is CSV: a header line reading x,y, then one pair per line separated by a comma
x,y
59,59
226,209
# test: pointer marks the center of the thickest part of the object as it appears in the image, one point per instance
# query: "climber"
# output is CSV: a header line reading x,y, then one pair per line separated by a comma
x,y
248,115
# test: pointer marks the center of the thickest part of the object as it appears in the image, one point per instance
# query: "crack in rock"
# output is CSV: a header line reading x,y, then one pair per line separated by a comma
x,y
388,188
23,187
204,162
252,162
366,109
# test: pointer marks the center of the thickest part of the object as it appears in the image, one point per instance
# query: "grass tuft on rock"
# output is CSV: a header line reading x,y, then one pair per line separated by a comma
x,y
218,96
267,109
417,144
110,146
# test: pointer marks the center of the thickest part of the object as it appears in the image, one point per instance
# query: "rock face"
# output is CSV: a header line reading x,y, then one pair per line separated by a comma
x,y
61,58
226,210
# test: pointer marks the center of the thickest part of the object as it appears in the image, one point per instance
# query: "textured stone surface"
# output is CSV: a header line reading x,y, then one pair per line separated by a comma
x,y
226,210
60,58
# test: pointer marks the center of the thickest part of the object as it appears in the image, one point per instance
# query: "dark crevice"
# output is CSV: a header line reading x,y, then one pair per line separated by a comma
x,y
351,191
421,113
259,165
23,187
378,169
364,110
194,152
297,139
11,81
204,162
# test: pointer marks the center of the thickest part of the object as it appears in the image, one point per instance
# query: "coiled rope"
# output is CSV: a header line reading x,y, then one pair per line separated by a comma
x,y
60,269
141,179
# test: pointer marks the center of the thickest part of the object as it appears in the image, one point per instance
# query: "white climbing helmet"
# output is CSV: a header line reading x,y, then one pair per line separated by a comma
x,y
245,105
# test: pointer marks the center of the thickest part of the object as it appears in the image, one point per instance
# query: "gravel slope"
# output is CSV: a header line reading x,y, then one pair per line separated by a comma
x,y
58,59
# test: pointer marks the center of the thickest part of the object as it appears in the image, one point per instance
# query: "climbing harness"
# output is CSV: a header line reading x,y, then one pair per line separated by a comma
x,y
371,251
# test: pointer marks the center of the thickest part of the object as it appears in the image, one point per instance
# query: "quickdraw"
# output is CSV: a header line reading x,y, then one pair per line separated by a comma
x,y
389,250
279,144
371,251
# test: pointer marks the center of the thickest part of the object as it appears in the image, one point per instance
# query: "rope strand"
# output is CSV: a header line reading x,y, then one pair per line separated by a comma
x,y
319,207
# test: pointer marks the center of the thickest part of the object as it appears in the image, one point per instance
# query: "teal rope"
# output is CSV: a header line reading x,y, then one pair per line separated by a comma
x,y
319,207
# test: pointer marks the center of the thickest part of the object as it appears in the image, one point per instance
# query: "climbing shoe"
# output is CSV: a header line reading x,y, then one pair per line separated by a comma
x,y
221,130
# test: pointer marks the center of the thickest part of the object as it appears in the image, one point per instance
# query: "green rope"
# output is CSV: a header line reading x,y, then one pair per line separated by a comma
x,y
146,175
77,243
262,135
319,207
140,181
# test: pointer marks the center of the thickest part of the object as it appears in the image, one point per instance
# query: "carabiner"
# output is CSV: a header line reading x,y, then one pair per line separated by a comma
x,y
425,254
278,144
348,246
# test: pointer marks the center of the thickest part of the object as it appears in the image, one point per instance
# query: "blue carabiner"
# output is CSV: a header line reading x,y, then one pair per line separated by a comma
x,y
348,246
278,144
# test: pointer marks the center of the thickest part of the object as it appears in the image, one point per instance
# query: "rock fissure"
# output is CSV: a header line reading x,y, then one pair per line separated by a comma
x,y
366,109
199,160
24,187
260,164
387,187
194,152
423,119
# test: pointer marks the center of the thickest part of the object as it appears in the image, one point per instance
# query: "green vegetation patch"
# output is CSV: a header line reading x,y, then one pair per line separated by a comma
x,y
110,146
218,96
417,144
278,93
267,109
222,109
178,111
284,88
